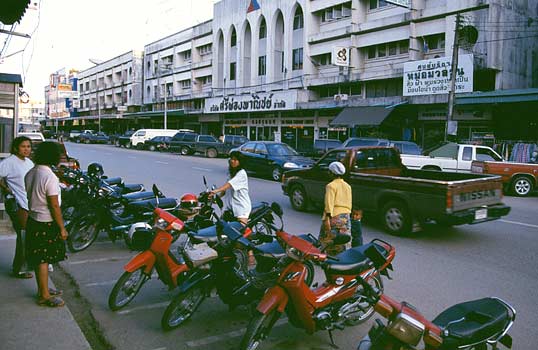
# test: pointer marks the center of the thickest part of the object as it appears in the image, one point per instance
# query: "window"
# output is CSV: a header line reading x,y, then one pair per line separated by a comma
x,y
148,91
393,49
263,30
130,71
335,156
178,136
298,21
189,138
260,149
381,50
186,56
249,147
130,93
404,46
372,52
149,66
298,59
388,49
434,42
325,59
232,71
206,138
205,49
486,155
234,38
374,4
239,140
80,87
140,133
467,154
207,80
262,66
185,84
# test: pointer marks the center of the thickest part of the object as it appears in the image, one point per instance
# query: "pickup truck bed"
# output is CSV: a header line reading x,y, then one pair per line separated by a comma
x,y
400,196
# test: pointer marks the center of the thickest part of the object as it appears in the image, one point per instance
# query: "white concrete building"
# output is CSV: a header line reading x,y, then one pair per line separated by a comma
x,y
178,68
110,89
282,54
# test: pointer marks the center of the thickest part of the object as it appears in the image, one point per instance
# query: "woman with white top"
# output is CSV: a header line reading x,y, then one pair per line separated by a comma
x,y
45,229
235,190
13,169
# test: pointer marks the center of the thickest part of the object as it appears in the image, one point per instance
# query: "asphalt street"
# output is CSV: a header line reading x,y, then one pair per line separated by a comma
x,y
433,269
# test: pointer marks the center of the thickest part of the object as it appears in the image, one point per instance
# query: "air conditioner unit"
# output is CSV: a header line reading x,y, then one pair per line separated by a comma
x,y
341,97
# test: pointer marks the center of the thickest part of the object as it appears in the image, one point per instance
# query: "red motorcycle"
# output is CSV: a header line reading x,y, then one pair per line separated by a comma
x,y
338,303
474,325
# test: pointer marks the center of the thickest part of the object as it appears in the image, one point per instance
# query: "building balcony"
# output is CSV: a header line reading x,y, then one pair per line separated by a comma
x,y
204,63
329,35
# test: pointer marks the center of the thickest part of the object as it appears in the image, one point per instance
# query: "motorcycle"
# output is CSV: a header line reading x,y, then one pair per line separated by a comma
x,y
474,325
337,303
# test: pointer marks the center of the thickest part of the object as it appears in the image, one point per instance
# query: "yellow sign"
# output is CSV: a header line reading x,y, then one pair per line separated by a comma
x,y
64,87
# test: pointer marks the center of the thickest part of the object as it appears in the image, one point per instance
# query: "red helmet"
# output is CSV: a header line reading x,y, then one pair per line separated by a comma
x,y
189,201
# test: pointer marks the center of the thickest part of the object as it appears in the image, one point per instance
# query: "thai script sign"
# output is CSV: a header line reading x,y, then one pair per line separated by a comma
x,y
258,102
432,77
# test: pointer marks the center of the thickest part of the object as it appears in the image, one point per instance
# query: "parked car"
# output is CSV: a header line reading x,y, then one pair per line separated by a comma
x,y
190,143
365,142
450,157
158,143
34,136
125,139
320,147
73,134
407,147
382,185
271,158
520,179
142,135
98,137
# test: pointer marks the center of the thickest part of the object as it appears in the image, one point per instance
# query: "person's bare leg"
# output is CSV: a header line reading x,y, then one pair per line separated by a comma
x,y
42,278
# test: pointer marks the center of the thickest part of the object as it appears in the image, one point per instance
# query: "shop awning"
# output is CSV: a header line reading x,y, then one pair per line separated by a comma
x,y
366,116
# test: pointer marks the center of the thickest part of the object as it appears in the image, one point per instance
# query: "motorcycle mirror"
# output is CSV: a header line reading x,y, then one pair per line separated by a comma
x,y
277,209
341,239
205,181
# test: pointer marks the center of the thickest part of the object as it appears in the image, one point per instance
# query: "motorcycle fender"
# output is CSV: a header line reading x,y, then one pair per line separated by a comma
x,y
145,258
275,297
193,280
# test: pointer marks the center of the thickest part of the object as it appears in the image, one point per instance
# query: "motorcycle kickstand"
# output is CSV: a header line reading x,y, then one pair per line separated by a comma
x,y
333,345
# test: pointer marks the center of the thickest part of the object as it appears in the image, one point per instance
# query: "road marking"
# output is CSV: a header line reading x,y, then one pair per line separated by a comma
x,y
201,169
226,336
519,223
144,307
158,161
113,258
7,237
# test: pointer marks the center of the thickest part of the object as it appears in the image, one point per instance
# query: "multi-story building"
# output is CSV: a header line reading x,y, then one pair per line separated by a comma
x,y
31,112
274,76
59,94
178,70
110,90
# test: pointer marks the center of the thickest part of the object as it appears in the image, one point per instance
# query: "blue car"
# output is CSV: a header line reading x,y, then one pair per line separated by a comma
x,y
271,158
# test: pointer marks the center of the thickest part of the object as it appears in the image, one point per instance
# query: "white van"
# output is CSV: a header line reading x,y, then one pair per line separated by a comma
x,y
142,135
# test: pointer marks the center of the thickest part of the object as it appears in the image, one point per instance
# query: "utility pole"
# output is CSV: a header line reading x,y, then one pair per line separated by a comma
x,y
452,92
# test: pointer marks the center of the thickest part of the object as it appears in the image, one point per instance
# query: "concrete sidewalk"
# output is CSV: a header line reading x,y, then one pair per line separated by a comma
x,y
25,325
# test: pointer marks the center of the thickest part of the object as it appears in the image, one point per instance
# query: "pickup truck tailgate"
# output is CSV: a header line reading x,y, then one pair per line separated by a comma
x,y
475,193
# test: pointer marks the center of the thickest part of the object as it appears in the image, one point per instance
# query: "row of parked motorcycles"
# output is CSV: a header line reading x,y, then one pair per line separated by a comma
x,y
196,248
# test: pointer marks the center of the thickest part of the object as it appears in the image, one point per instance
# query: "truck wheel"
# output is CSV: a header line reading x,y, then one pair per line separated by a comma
x,y
522,186
211,153
140,146
117,144
185,151
78,140
152,148
87,142
276,173
396,218
431,168
128,145
298,198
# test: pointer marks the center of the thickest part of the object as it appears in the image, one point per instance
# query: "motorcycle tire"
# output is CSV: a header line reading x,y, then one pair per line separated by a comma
x,y
258,329
125,281
182,308
377,282
83,232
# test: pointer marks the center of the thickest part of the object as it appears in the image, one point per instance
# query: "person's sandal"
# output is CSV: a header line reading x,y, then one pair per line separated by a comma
x,y
55,292
51,302
23,275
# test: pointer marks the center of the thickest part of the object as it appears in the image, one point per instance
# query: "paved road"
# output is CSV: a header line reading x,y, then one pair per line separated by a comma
x,y
433,269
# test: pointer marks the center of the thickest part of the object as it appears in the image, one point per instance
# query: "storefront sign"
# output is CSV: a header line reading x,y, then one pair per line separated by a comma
x,y
251,103
341,56
432,77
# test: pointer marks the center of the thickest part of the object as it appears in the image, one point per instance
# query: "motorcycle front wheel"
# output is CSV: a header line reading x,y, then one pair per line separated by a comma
x,y
126,288
182,308
83,231
365,309
258,329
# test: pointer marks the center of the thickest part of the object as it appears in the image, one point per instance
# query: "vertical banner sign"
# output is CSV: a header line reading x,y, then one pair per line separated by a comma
x,y
432,77
340,56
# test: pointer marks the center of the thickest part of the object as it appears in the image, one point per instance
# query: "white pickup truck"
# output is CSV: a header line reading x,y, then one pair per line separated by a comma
x,y
451,157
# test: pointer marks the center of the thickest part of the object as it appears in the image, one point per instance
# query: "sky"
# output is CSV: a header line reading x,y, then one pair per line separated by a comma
x,y
67,33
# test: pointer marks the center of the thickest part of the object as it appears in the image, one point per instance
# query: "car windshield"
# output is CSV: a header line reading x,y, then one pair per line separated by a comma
x,y
363,142
280,149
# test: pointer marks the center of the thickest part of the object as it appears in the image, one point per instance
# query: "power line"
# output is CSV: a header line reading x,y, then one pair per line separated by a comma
x,y
33,39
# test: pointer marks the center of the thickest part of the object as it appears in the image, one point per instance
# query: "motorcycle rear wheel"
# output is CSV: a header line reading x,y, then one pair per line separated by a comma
x,y
377,282
129,282
83,232
258,329
182,308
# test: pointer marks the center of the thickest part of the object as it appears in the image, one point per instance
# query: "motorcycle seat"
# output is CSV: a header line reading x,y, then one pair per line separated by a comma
x,y
473,322
274,249
209,234
150,204
114,181
137,196
129,188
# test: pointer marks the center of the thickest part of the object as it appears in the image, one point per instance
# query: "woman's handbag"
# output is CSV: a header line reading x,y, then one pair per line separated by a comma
x,y
10,203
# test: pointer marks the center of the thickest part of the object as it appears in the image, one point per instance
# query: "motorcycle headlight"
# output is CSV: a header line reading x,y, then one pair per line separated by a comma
x,y
71,175
161,224
294,253
81,180
406,329
290,165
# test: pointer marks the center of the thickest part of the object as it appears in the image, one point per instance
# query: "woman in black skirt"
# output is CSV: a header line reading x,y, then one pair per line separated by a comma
x,y
45,229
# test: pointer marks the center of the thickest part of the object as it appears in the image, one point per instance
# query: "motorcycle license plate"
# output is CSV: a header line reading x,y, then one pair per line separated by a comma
x,y
481,214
